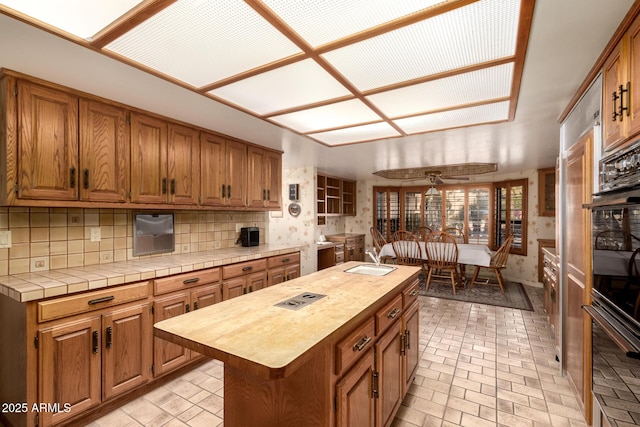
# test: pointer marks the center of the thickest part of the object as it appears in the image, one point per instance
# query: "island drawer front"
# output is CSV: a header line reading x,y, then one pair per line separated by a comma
x,y
354,345
186,280
77,304
277,261
410,294
388,314
234,270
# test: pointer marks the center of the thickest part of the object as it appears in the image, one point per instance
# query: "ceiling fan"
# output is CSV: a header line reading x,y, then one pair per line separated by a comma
x,y
436,177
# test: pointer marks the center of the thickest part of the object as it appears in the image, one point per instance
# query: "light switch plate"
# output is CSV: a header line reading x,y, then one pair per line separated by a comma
x,y
5,239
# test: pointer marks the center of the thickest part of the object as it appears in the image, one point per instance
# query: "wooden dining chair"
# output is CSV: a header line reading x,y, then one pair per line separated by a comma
x,y
378,242
498,262
422,233
457,234
442,258
407,248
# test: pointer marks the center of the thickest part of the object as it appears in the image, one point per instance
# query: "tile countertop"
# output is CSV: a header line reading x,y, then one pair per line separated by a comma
x,y
45,284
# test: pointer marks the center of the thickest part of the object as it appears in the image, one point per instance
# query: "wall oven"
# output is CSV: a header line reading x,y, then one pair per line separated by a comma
x,y
615,307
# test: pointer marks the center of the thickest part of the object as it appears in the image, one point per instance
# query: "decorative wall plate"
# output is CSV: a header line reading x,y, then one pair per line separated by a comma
x,y
294,209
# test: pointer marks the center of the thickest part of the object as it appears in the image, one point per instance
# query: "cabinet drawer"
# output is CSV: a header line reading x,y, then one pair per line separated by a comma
x,y
68,306
287,259
184,281
410,294
354,345
388,314
241,268
339,257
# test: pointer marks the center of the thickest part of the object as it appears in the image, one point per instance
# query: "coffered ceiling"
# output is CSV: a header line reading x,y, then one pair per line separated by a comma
x,y
337,71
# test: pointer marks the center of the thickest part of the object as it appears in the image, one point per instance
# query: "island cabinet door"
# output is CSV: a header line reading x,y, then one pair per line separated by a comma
x,y
354,395
168,356
410,320
390,379
127,356
69,368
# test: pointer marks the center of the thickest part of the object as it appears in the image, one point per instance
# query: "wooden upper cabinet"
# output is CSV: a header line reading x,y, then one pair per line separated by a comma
x,y
104,152
621,99
183,165
265,178
47,143
149,183
224,171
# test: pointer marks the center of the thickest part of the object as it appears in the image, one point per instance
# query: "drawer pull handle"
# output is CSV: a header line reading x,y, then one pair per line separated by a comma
x,y
285,260
188,308
109,336
393,313
164,185
99,300
362,343
85,174
195,305
192,280
95,342
413,293
247,268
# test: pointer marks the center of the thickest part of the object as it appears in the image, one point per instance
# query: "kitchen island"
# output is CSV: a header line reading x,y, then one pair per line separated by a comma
x,y
340,351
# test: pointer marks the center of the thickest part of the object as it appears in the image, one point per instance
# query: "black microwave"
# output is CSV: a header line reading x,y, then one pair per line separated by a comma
x,y
250,236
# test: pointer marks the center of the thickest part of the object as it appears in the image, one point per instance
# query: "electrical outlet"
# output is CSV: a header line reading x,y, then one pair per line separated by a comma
x,y
5,239
39,264
75,219
95,234
216,245
106,257
185,248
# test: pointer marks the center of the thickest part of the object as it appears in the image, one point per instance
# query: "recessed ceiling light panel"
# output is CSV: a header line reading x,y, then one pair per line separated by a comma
x,y
310,18
498,111
200,42
345,113
301,83
368,132
482,31
461,89
81,18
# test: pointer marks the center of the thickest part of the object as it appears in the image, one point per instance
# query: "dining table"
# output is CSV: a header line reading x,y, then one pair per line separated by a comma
x,y
468,253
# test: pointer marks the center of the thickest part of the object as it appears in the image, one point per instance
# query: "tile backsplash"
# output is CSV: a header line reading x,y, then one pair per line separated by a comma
x,y
51,238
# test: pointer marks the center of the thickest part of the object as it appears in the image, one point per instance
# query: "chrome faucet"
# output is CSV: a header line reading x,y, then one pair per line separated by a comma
x,y
374,256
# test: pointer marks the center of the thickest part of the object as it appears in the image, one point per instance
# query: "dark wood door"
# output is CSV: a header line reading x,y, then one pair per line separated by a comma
x,y
577,337
126,354
47,143
356,405
69,367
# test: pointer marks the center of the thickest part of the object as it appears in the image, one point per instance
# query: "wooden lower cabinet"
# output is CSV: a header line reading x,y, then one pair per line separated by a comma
x,y
83,362
168,356
283,268
243,278
356,405
371,392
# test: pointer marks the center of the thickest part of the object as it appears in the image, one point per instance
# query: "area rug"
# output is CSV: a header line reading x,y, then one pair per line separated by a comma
x,y
514,296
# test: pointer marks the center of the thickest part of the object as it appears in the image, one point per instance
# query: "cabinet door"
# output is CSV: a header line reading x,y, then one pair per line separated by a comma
x,y
168,356
273,179
69,367
47,143
276,275
391,380
149,182
206,295
104,152
354,395
257,188
212,165
183,157
235,287
411,325
633,70
126,354
360,248
292,272
613,76
256,281
236,173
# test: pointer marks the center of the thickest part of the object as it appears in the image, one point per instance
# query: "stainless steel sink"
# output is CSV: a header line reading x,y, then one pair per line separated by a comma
x,y
371,269
299,301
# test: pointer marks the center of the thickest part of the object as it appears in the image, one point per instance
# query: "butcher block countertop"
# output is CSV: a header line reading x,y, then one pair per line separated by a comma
x,y
251,333
44,284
